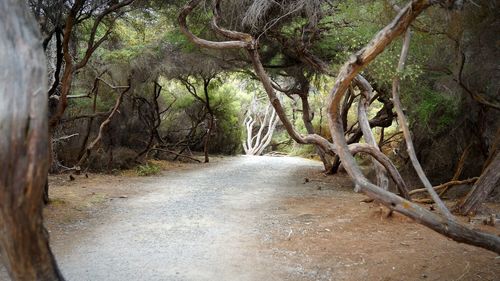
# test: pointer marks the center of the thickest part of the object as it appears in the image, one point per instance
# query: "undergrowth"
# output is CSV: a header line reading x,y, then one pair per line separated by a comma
x,y
148,169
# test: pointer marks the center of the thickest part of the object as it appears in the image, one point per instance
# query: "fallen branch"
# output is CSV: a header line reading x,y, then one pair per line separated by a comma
x,y
446,185
175,153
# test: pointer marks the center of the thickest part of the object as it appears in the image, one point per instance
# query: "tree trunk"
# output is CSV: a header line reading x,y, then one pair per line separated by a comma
x,y
306,118
206,83
23,147
487,182
207,137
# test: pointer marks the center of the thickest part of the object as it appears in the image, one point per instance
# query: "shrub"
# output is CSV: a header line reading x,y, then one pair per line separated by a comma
x,y
148,169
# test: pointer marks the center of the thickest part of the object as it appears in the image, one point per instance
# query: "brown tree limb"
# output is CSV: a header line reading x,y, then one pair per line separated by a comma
x,y
104,124
185,11
440,224
92,44
446,185
310,138
70,67
176,154
364,124
474,95
489,180
406,131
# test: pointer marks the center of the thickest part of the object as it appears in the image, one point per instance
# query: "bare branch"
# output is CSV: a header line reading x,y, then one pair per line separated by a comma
x,y
104,124
446,185
186,10
445,226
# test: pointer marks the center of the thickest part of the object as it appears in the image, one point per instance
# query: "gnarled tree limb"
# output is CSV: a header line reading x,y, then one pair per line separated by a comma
x,y
443,225
364,124
104,124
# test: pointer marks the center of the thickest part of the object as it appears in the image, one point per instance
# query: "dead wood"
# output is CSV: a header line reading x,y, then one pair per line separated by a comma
x,y
406,131
364,124
446,185
175,153
105,123
443,225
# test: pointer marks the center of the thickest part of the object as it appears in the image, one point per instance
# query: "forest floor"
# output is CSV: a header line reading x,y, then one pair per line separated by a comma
x,y
244,218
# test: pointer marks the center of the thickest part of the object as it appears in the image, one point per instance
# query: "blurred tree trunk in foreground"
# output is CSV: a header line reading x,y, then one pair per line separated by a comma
x,y
24,162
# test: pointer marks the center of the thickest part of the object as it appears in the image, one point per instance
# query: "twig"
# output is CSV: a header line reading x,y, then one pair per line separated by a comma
x,y
467,267
65,137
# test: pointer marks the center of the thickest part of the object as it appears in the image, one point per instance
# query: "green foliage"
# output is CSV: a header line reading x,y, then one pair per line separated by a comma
x,y
178,39
227,111
302,150
226,102
148,169
435,111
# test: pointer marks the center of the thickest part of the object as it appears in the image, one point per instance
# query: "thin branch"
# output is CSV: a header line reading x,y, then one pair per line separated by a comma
x,y
406,131
104,124
175,153
364,124
446,185
63,138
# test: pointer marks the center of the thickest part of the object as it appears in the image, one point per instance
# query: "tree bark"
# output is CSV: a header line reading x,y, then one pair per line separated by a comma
x,y
24,244
487,182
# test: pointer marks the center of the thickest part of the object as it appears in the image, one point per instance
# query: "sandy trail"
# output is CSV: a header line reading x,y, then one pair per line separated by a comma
x,y
194,225
254,218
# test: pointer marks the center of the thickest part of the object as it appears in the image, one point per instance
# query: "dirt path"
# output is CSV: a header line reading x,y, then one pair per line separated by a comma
x,y
254,218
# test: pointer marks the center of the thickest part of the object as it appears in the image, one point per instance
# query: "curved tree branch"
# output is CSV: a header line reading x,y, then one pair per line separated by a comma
x,y
406,131
364,124
440,224
443,225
